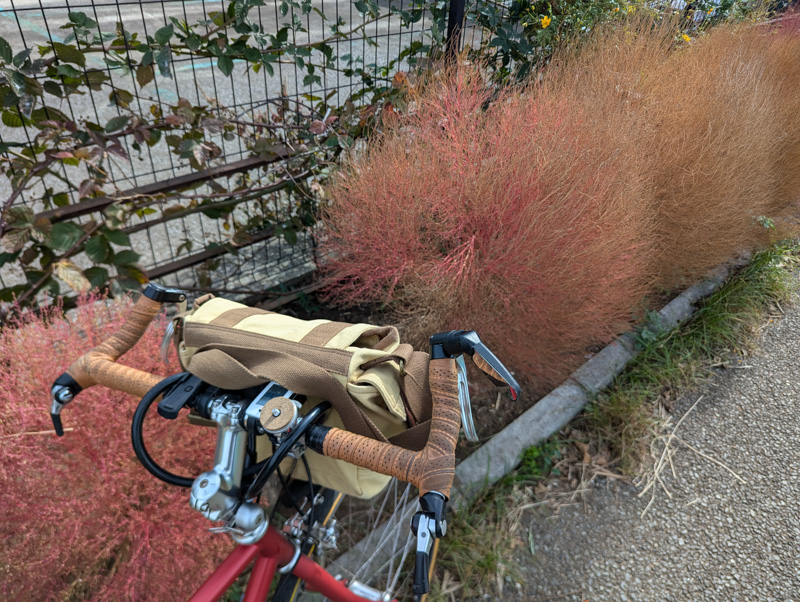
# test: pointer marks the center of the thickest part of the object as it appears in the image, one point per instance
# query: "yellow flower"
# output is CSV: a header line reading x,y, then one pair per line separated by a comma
x,y
616,9
546,21
710,10
686,38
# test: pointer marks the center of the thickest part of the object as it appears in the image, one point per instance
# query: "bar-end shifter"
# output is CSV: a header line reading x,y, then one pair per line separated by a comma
x,y
64,390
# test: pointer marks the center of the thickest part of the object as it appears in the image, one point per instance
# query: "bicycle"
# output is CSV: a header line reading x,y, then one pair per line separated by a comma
x,y
230,492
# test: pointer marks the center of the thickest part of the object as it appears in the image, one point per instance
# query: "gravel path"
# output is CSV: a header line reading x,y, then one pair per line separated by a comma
x,y
717,538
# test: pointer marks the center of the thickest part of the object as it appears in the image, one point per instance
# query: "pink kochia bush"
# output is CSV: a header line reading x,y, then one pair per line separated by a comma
x,y
81,518
518,220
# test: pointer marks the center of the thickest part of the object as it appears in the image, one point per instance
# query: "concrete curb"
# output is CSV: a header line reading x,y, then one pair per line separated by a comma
x,y
503,452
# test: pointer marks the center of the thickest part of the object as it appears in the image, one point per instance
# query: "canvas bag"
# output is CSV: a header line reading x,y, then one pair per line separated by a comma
x,y
378,387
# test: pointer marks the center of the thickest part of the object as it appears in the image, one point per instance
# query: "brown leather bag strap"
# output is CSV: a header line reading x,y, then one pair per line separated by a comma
x,y
242,343
232,317
220,369
402,356
322,334
415,383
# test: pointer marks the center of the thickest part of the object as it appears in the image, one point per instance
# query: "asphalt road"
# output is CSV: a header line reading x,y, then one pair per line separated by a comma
x,y
716,538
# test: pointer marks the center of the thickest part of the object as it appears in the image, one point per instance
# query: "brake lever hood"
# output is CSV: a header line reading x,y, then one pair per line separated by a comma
x,y
468,342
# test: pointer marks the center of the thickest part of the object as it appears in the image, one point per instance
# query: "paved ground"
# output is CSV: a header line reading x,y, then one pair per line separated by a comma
x,y
717,538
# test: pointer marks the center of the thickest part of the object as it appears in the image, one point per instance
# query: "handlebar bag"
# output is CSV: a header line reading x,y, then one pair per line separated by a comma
x,y
378,386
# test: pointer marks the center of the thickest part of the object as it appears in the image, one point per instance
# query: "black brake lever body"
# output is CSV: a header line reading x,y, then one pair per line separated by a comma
x,y
455,342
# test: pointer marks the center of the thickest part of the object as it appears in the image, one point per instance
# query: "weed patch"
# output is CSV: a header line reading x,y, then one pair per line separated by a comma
x,y
723,328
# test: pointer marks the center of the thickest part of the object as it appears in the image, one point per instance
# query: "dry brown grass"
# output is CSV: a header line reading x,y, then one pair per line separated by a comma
x,y
718,134
783,54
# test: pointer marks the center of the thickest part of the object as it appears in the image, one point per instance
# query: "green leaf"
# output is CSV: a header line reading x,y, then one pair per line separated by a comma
x,y
117,123
98,249
19,217
78,19
10,99
5,51
61,199
290,235
47,114
145,74
8,258
361,6
121,98
97,276
126,257
68,71
225,64
96,79
269,69
69,54
163,60
118,237
53,88
21,57
9,294
132,273
64,235
12,119
164,34
194,41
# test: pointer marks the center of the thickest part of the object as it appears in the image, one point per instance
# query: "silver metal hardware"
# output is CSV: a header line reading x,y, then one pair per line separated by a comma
x,y
251,519
168,333
295,527
276,412
215,493
366,592
464,403
61,397
233,531
288,568
325,537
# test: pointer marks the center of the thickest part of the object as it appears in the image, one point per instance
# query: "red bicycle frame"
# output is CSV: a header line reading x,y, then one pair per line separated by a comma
x,y
269,552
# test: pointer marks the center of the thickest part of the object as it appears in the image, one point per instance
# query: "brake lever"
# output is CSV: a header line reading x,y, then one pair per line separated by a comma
x,y
64,390
488,363
450,344
428,525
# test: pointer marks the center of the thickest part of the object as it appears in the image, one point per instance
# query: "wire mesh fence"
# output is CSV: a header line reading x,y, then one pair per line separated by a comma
x,y
366,44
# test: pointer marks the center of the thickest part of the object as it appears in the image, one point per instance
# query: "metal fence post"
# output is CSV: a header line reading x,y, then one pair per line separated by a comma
x,y
455,23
